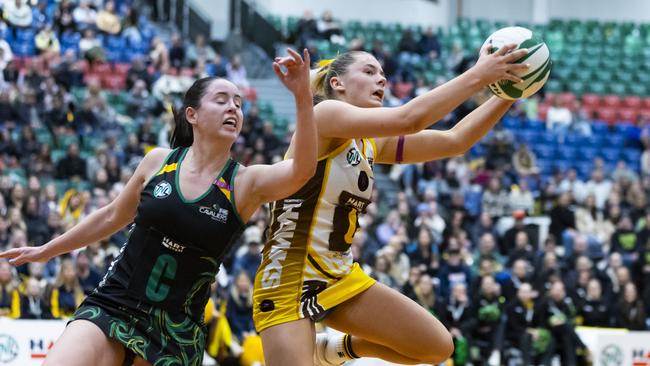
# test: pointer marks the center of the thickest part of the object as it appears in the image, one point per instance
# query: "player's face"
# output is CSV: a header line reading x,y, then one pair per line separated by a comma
x,y
364,82
220,112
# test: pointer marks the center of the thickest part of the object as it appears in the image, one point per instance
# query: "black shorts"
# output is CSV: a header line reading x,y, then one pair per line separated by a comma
x,y
159,337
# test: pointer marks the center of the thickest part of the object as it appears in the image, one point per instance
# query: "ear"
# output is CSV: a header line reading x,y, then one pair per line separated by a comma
x,y
337,84
191,115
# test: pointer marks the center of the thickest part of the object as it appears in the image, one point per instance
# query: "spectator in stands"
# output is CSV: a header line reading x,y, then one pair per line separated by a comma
x,y
524,161
525,333
563,222
72,165
68,72
177,51
573,184
249,257
32,303
84,16
5,54
131,27
306,30
63,18
456,316
486,328
382,272
581,120
599,186
428,44
330,29
140,103
630,310
239,309
559,312
453,268
521,198
90,47
595,311
107,21
424,253
499,150
425,296
495,199
236,72
624,241
9,295
137,71
88,276
66,293
47,43
559,117
217,67
200,50
18,14
37,232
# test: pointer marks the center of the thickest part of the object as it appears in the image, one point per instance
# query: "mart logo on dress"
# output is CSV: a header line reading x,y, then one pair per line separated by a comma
x,y
162,190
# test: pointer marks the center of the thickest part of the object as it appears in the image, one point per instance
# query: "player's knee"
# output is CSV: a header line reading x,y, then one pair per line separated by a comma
x,y
438,349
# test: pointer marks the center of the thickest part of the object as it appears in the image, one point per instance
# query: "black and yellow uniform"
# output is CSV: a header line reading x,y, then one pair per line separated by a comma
x,y
307,267
153,296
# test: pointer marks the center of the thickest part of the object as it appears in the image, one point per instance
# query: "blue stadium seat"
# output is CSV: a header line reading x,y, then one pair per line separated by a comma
x,y
584,169
632,157
536,125
473,202
24,49
566,152
610,154
563,165
599,128
547,138
544,151
587,153
614,140
545,166
574,140
114,43
511,123
529,137
25,35
595,140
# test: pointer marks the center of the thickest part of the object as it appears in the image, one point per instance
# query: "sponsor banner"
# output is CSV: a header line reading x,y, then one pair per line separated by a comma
x,y
26,342
617,347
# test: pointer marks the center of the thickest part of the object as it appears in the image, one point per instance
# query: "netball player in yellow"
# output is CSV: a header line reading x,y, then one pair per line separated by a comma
x,y
307,273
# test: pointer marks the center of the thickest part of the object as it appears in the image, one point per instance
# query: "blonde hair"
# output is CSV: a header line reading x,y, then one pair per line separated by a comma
x,y
327,69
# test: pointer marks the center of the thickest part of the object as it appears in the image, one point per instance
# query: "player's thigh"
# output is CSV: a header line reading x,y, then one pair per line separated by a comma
x,y
83,343
384,316
289,344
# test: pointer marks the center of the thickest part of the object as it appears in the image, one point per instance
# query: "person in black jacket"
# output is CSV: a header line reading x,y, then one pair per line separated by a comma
x,y
524,332
32,305
559,313
595,312
456,316
630,309
486,326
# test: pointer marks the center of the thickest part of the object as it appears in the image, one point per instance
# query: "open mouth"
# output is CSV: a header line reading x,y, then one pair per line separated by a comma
x,y
230,122
379,94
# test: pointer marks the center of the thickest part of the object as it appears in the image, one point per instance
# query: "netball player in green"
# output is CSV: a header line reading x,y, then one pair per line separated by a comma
x,y
188,205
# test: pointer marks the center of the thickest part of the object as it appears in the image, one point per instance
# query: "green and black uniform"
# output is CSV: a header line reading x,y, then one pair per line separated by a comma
x,y
153,296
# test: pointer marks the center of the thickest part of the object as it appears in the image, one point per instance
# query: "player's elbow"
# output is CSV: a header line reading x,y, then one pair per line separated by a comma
x,y
303,174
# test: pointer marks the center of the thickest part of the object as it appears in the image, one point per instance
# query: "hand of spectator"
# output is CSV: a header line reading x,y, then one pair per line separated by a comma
x,y
491,68
296,79
18,256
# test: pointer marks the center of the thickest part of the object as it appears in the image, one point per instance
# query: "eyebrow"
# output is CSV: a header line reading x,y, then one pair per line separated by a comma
x,y
226,94
373,67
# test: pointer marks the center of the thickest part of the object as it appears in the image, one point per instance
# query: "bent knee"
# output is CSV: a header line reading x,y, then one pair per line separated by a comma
x,y
437,350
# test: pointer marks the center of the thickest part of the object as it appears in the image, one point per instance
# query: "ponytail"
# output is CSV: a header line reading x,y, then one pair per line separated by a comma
x,y
183,135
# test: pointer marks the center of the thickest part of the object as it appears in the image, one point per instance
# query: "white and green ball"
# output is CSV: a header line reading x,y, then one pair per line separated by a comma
x,y
539,58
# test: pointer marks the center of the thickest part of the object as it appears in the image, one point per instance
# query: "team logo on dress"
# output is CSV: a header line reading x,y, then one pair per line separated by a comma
x,y
354,158
215,213
162,190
